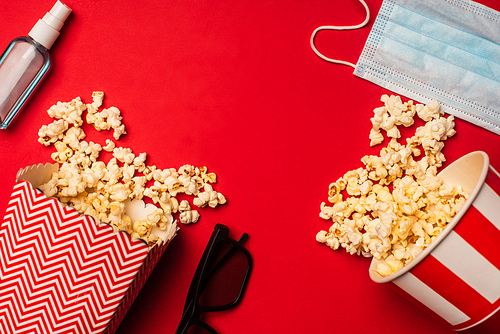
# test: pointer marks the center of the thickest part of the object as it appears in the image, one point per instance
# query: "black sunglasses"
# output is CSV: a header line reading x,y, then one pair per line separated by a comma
x,y
219,282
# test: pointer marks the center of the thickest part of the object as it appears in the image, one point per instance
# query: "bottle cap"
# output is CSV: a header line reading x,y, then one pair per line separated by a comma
x,y
46,30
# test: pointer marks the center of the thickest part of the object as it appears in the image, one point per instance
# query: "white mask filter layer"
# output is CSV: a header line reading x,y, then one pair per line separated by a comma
x,y
448,50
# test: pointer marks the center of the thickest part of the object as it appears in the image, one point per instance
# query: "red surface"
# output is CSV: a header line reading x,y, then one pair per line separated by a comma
x,y
234,86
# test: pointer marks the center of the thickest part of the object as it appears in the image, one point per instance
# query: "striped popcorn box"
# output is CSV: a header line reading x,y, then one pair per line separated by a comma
x,y
60,272
457,277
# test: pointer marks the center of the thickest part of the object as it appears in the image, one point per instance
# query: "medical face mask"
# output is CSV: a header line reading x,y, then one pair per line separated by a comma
x,y
448,50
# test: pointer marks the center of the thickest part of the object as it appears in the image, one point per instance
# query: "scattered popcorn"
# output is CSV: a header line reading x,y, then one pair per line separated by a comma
x,y
188,217
394,224
106,119
110,145
97,98
184,206
71,111
119,131
124,155
429,111
209,197
101,189
49,134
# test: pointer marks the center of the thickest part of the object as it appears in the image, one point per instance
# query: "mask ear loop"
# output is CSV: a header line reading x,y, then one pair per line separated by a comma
x,y
336,61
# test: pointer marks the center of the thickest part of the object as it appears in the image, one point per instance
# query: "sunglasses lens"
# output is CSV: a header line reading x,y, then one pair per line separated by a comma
x,y
226,276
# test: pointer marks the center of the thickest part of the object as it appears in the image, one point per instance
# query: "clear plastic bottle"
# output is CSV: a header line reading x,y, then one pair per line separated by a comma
x,y
25,62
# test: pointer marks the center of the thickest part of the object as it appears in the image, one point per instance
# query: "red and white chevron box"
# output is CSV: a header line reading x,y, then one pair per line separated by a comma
x,y
60,272
457,277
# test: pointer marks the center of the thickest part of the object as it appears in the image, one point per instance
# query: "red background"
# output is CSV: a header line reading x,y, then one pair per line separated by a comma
x,y
234,86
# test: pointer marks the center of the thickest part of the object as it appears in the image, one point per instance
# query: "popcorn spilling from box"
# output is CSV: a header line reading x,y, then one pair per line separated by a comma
x,y
81,236
101,190
394,206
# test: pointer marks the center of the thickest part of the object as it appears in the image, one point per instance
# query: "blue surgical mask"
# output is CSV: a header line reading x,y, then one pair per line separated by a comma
x,y
448,50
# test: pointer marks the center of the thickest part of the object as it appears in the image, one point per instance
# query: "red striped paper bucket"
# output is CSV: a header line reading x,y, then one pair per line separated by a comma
x,y
60,272
457,277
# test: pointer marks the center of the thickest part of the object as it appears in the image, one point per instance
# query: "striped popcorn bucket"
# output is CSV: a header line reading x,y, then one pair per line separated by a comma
x,y
60,272
457,277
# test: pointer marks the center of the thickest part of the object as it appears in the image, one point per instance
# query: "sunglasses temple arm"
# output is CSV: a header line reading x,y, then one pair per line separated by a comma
x,y
182,327
243,238
193,286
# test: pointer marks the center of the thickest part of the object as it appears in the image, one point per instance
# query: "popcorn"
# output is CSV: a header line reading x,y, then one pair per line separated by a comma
x,y
394,223
119,131
141,229
49,134
63,152
139,162
209,197
110,145
124,155
71,111
97,98
114,117
429,111
73,137
393,113
119,192
184,206
101,189
376,137
109,118
169,204
188,217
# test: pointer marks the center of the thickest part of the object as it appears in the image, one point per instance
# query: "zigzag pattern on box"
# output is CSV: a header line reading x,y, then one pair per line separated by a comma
x,y
59,271
154,255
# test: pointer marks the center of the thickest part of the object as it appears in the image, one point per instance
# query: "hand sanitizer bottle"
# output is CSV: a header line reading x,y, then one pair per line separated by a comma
x,y
25,62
